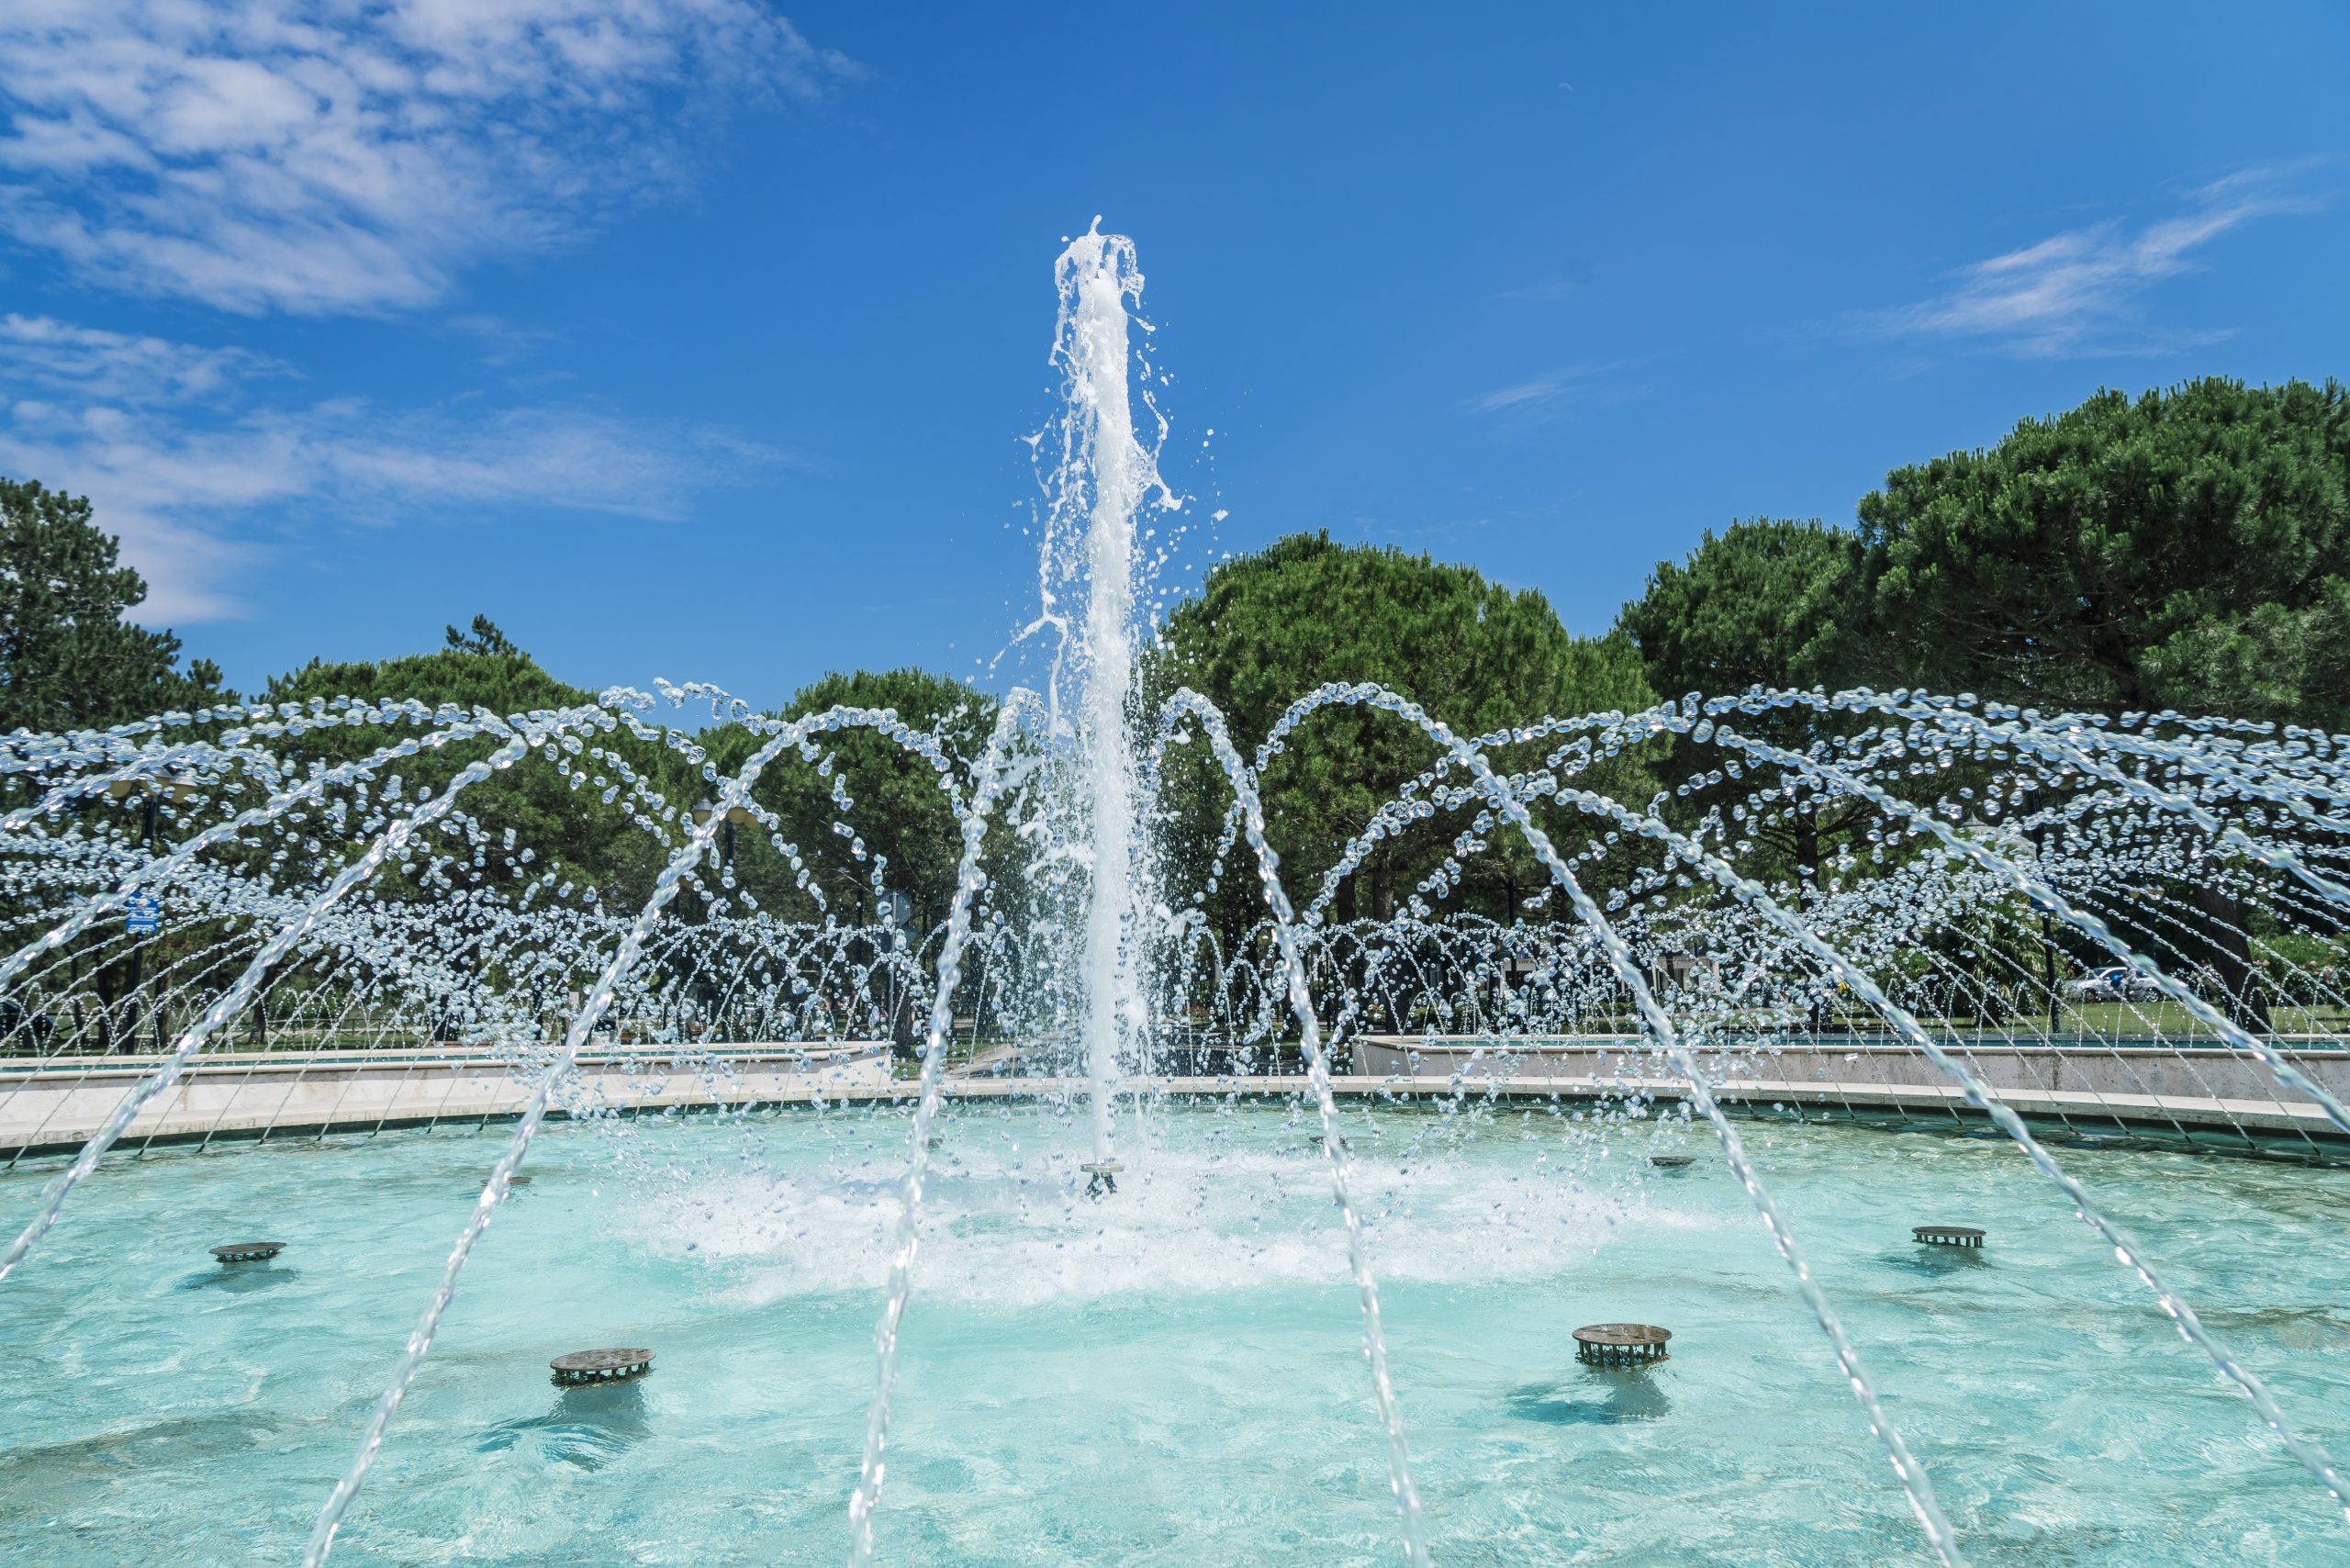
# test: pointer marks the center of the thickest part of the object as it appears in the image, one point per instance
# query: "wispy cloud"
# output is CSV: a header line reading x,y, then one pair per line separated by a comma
x,y
501,342
321,156
1573,388
119,367
201,482
1545,389
2084,291
1567,279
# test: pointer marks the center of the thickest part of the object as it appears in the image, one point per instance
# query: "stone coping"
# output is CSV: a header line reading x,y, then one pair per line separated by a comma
x,y
21,1069
462,1097
1791,1045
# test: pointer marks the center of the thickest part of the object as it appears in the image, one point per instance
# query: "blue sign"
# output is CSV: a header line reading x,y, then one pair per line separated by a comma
x,y
142,914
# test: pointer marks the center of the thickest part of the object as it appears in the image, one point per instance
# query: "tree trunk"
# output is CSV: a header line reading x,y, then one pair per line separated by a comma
x,y
1383,889
908,1035
104,982
1807,850
2048,970
2228,949
2121,662
1342,903
1993,1006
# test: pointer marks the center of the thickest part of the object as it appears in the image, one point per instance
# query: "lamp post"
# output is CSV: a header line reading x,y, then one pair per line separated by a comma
x,y
2040,902
897,913
180,788
734,816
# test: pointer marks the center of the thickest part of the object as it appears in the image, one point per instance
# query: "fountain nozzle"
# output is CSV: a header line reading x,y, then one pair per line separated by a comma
x,y
1104,1177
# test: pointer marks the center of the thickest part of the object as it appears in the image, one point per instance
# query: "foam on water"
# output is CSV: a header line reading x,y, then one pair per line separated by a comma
x,y
1005,1221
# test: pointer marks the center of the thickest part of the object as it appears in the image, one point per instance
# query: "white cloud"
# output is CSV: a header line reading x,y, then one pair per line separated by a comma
x,y
159,437
1541,389
2082,291
318,156
90,362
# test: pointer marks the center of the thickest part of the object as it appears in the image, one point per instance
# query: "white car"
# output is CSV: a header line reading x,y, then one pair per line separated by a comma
x,y
2119,983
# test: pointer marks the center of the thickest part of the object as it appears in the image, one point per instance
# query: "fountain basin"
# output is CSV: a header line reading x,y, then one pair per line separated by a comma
x,y
1180,1371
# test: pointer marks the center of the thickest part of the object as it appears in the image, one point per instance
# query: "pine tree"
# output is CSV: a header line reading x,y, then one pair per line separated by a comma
x,y
68,659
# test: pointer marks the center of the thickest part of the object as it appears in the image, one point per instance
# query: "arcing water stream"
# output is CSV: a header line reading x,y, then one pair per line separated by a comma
x,y
345,879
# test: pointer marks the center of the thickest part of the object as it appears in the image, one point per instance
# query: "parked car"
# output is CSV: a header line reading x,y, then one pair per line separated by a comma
x,y
2119,983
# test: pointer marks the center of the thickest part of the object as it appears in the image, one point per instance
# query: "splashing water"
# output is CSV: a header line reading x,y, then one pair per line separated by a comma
x,y
1107,475
370,881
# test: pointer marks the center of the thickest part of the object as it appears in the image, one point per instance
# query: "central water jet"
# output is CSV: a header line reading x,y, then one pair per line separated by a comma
x,y
1105,474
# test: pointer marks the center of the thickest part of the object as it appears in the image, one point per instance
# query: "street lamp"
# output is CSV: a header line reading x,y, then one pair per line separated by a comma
x,y
735,815
181,788
896,908
2040,902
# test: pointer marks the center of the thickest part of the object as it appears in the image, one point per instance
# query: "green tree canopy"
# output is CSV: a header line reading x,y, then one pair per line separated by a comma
x,y
1764,603
68,659
569,830
2189,549
485,638
485,672
897,810
1773,604
1268,628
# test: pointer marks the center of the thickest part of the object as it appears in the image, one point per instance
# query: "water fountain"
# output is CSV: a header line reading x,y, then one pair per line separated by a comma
x,y
1107,473
348,883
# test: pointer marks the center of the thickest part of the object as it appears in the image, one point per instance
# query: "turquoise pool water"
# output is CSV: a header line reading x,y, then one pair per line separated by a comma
x,y
1174,1376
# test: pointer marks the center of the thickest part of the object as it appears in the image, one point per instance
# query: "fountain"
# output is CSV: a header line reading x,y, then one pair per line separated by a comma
x,y
1105,475
1495,1117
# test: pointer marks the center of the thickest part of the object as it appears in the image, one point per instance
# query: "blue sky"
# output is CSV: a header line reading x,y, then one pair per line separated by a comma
x,y
697,338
